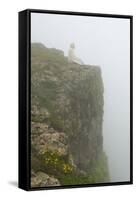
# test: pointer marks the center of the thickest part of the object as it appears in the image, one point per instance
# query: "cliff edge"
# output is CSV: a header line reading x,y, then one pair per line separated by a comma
x,y
66,120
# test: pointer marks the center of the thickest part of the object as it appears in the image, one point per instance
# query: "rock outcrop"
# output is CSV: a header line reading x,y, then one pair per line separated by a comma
x,y
41,179
50,140
67,115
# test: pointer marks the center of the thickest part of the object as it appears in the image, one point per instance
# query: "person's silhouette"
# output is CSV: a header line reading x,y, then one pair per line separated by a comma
x,y
72,58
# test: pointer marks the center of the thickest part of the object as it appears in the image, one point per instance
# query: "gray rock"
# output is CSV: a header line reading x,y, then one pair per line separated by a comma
x,y
41,179
50,140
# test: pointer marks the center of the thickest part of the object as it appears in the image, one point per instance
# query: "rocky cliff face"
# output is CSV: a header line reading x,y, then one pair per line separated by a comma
x,y
67,115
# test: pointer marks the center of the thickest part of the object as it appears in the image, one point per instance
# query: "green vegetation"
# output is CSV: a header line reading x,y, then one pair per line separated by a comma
x,y
99,170
74,179
96,173
56,164
67,175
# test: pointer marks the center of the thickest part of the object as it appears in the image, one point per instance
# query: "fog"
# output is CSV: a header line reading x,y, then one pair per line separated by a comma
x,y
104,42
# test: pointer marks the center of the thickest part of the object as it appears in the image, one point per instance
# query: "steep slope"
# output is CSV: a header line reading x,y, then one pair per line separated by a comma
x,y
67,116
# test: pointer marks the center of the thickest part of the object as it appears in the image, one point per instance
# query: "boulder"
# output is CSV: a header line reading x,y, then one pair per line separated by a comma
x,y
41,179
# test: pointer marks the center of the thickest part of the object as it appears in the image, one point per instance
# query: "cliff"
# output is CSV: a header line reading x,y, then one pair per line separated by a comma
x,y
67,116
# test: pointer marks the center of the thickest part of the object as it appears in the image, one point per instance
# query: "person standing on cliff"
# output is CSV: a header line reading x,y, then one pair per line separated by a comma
x,y
72,58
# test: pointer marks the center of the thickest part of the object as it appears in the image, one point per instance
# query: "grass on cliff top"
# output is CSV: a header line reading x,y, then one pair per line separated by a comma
x,y
42,54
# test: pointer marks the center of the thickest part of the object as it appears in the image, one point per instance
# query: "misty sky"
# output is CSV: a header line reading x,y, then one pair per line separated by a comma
x,y
104,42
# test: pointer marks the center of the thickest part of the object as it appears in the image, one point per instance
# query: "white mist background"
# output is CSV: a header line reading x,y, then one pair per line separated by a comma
x,y
104,42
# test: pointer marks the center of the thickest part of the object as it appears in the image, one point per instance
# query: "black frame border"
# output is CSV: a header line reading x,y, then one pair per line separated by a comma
x,y
24,174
